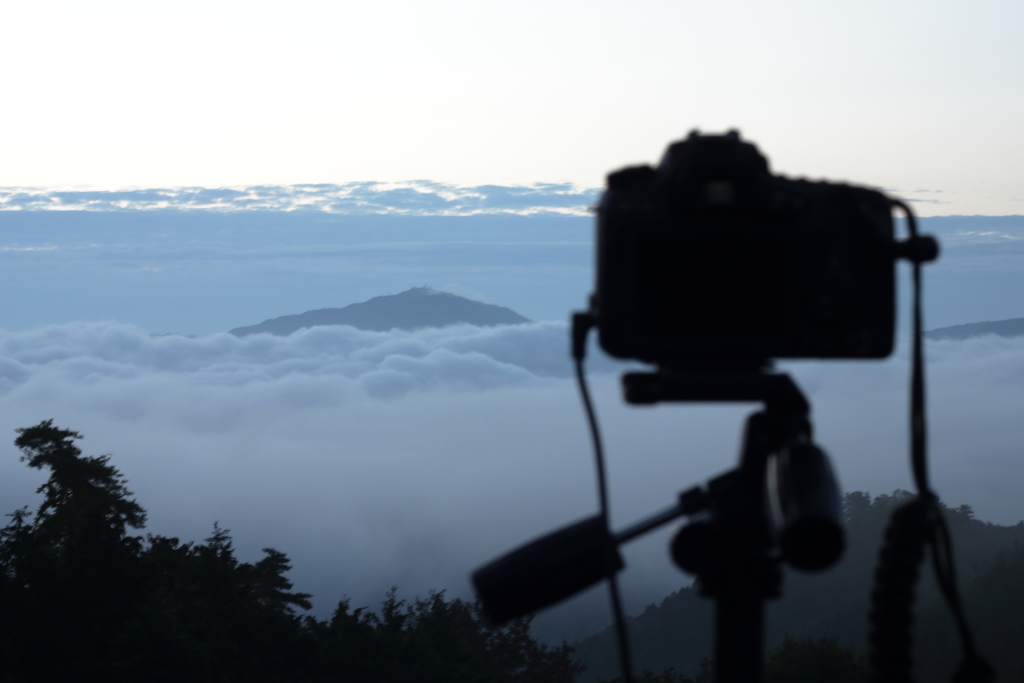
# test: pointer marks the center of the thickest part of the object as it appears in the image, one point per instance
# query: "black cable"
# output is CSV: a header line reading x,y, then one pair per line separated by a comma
x,y
595,435
581,324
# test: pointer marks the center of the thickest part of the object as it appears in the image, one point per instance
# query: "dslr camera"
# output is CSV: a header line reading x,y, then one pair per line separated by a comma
x,y
710,256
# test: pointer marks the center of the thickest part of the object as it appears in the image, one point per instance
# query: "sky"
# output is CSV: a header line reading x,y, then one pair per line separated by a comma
x,y
172,171
918,97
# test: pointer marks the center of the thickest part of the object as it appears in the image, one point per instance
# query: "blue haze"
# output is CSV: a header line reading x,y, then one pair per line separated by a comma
x,y
197,272
197,260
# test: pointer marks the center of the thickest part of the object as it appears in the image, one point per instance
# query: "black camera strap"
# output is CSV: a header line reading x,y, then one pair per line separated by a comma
x,y
916,525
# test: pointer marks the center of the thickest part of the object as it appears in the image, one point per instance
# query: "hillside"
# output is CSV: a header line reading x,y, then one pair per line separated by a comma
x,y
834,604
994,602
410,310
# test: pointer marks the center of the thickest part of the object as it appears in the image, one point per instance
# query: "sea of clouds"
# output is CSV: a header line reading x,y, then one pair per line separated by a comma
x,y
376,459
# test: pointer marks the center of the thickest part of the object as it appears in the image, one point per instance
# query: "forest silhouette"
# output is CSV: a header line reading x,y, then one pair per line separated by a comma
x,y
83,598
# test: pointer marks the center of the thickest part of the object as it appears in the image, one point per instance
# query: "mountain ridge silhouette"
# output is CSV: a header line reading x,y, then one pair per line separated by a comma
x,y
412,309
1002,328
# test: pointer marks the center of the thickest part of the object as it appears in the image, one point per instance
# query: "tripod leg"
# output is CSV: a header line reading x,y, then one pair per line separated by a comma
x,y
739,639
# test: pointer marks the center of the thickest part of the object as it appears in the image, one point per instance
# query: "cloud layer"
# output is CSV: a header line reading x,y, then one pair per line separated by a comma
x,y
376,459
416,198
380,364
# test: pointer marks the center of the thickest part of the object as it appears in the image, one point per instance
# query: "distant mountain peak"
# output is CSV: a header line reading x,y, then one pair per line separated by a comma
x,y
412,309
403,297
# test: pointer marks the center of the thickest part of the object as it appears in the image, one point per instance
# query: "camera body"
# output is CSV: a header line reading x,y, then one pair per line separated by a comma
x,y
711,257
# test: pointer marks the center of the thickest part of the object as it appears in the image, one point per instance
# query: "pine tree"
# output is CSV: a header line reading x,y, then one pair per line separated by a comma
x,y
71,568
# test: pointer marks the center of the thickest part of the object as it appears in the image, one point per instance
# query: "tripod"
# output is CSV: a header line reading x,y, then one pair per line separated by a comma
x,y
754,516
780,503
